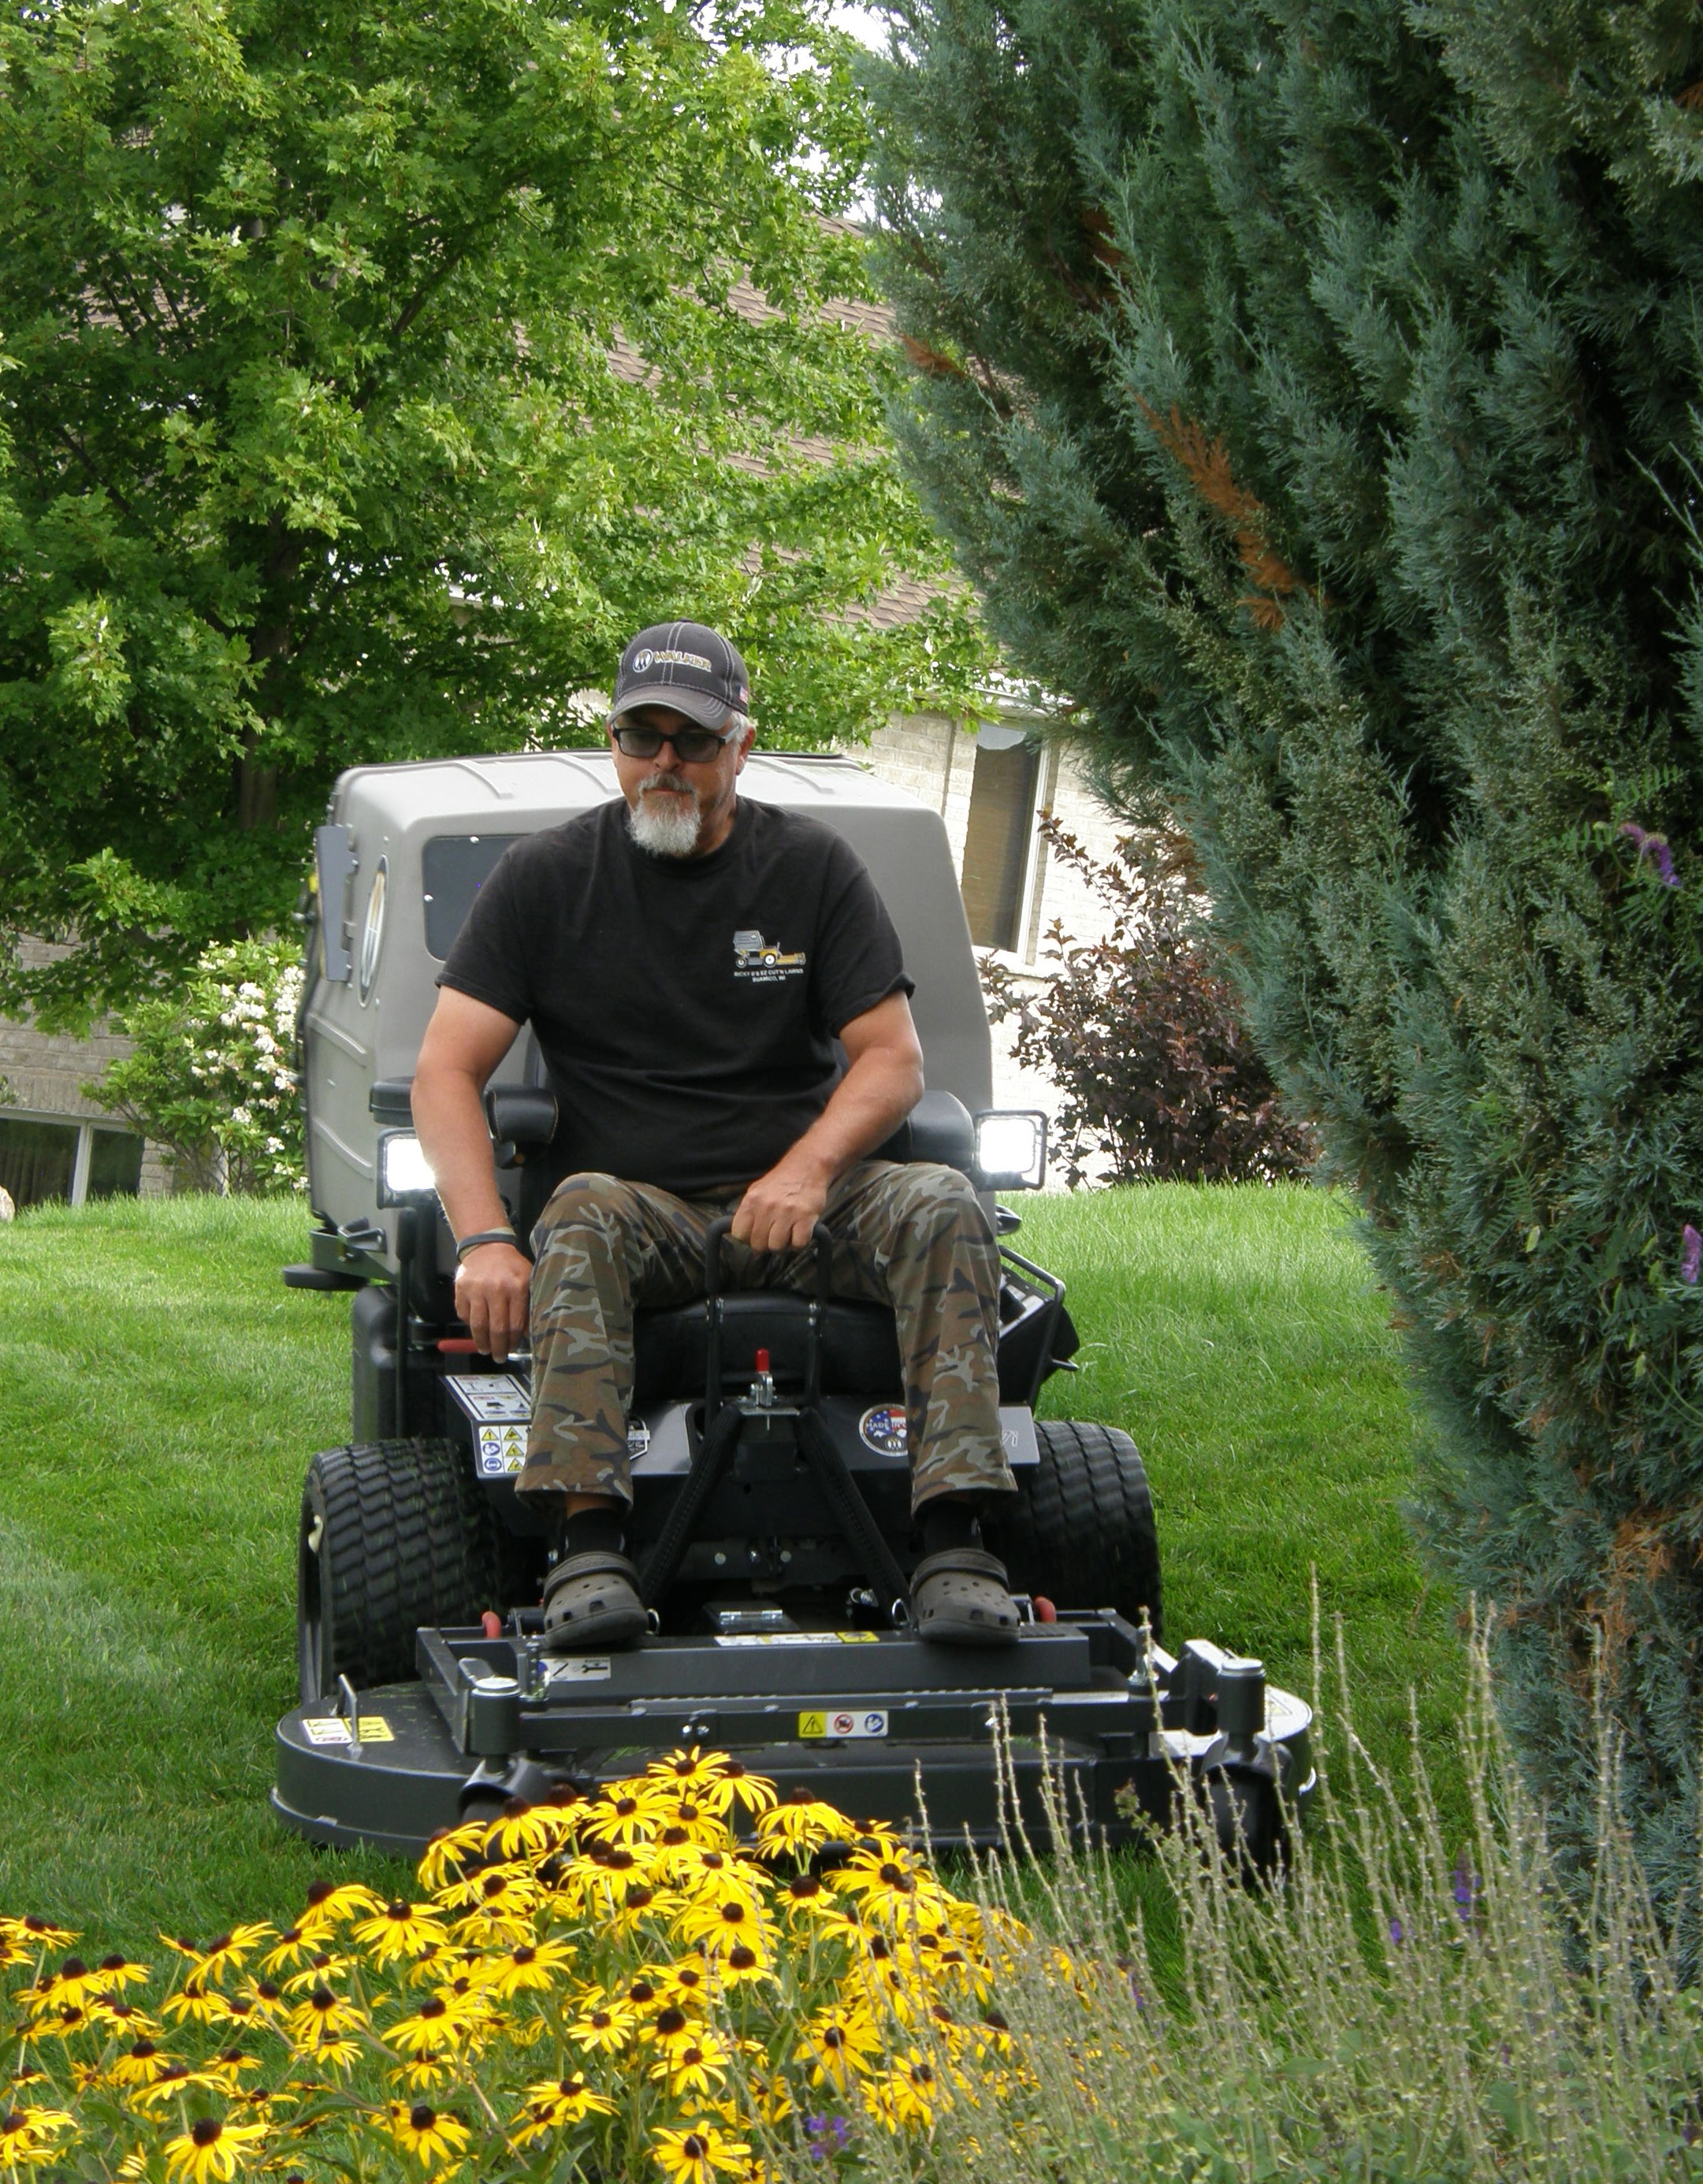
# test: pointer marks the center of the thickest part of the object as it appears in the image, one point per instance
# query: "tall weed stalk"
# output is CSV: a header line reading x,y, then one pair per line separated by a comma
x,y
1391,2006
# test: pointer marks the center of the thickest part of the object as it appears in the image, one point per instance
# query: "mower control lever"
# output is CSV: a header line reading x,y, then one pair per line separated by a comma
x,y
713,1237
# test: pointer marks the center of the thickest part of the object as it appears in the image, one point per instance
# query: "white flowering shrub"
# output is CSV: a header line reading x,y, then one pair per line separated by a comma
x,y
212,1077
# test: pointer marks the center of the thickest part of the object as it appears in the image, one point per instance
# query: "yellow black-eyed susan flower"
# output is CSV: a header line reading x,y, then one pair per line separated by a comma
x,y
733,1785
724,1920
265,2000
672,2026
323,2014
294,1947
799,1824
556,2104
450,1851
687,1770
170,2079
529,1966
139,2064
604,2026
228,1952
697,2066
893,1889
498,1904
335,1903
698,2154
626,1819
439,2025
32,1932
197,2002
212,2150
123,2017
432,2136
62,2021
524,1829
839,2044
69,1986
399,1928
909,2095
743,1966
425,2072
686,1984
28,2135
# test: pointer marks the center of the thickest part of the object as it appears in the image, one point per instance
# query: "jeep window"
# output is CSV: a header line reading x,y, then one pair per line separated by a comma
x,y
454,867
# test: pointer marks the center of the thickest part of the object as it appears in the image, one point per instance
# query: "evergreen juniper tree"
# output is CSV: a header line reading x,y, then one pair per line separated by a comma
x,y
1313,391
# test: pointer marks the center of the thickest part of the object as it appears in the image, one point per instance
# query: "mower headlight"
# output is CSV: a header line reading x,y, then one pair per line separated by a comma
x,y
1011,1149
402,1173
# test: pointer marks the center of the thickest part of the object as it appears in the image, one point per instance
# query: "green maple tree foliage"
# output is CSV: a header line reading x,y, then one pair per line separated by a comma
x,y
1313,391
369,373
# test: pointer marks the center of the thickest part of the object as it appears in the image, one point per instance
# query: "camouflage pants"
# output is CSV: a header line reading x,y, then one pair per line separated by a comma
x,y
912,1235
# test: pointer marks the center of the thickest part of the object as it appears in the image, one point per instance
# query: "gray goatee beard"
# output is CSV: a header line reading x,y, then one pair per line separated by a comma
x,y
666,821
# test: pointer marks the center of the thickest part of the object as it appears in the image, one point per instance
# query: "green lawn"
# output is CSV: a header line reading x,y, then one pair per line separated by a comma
x,y
160,1392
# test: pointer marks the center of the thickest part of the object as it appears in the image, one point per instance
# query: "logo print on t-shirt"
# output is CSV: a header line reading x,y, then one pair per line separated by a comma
x,y
762,961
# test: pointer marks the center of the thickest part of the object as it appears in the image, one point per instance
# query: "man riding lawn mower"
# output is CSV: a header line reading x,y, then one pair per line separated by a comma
x,y
684,1512
618,937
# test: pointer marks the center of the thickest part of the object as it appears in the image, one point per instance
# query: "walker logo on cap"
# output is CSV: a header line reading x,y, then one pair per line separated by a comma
x,y
687,668
647,660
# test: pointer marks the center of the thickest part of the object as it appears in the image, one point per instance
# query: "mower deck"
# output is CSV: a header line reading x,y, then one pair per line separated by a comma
x,y
865,1720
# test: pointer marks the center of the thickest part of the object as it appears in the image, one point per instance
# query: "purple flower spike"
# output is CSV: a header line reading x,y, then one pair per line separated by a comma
x,y
1398,1932
1467,1886
1691,1262
1654,846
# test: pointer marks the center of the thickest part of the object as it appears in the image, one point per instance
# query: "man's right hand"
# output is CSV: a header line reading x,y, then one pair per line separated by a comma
x,y
492,1294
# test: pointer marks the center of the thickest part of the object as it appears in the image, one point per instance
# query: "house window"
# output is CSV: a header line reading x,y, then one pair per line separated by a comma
x,y
42,1159
1000,835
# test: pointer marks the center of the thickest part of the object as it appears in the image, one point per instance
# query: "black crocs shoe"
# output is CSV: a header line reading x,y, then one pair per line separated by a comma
x,y
959,1597
591,1603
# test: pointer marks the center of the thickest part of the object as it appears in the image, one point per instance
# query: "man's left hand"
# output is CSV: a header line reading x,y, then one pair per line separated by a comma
x,y
781,1209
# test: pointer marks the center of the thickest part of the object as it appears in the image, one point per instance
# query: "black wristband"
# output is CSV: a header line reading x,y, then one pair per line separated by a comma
x,y
485,1236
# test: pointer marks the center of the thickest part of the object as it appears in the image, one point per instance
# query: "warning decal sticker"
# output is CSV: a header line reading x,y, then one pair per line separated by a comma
x,y
849,1723
333,1729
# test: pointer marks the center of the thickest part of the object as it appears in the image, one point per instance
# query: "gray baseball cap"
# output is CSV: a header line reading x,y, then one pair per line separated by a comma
x,y
685,665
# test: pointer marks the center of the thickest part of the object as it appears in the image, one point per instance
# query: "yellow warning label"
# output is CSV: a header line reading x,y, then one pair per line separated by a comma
x,y
855,1722
333,1729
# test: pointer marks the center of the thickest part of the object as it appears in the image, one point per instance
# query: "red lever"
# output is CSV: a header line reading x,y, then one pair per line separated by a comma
x,y
457,1345
762,1360
492,1623
1045,1611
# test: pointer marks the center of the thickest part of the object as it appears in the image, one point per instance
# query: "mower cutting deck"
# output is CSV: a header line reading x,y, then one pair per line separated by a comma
x,y
874,1722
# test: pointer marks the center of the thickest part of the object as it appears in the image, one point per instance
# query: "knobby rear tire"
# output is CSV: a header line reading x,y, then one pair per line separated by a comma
x,y
394,1533
1082,1532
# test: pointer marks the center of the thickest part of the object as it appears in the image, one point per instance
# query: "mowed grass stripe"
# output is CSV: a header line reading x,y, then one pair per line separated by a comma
x,y
160,1392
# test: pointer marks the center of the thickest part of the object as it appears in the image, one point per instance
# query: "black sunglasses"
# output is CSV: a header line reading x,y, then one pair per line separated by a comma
x,y
692,746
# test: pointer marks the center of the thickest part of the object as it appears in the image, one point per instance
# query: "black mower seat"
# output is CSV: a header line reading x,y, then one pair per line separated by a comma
x,y
860,1348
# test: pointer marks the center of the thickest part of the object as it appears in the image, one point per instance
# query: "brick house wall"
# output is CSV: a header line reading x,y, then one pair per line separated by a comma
x,y
43,1074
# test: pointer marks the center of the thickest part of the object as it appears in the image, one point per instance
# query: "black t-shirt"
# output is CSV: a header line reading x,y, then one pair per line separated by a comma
x,y
686,1006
